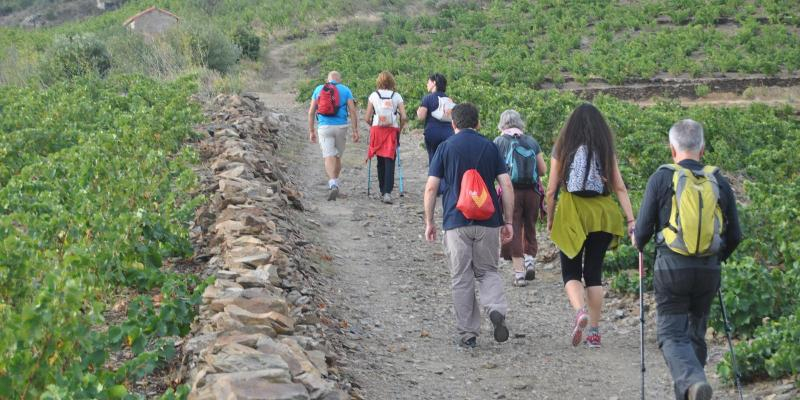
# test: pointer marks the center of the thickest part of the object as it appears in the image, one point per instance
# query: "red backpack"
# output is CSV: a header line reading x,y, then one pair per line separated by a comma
x,y
474,199
328,103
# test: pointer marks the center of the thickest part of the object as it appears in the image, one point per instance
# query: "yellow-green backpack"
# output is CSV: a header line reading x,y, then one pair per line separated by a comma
x,y
695,221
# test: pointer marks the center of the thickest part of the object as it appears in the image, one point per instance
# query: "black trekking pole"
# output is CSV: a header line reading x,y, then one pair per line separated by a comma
x,y
641,316
730,344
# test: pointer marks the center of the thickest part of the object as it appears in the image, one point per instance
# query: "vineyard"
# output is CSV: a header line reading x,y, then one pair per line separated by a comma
x,y
97,190
497,55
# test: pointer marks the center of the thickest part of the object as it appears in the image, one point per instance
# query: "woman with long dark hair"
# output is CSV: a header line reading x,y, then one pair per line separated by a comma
x,y
584,171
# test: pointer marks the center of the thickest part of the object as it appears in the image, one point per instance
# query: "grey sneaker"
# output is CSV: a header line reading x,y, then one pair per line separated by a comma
x,y
530,273
387,198
519,279
699,391
468,343
333,192
499,324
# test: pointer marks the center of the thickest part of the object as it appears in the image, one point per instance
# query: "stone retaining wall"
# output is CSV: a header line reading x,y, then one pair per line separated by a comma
x,y
258,335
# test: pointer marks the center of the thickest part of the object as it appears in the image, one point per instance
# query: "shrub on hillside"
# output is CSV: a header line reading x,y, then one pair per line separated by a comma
x,y
248,42
74,56
132,53
207,46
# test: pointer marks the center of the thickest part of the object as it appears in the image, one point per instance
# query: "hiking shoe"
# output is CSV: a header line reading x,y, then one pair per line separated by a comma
x,y
499,324
581,320
528,259
469,343
699,391
333,192
593,339
387,198
519,279
530,273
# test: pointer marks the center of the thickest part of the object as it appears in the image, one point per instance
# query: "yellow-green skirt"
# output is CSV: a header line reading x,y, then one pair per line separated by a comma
x,y
575,217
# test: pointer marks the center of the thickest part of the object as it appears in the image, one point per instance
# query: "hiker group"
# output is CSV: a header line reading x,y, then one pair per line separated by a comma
x,y
492,197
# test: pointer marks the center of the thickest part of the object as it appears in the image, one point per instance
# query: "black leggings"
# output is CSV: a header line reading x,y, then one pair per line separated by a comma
x,y
594,250
385,174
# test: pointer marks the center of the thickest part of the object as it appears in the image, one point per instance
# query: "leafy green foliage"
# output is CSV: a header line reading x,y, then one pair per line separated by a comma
x,y
74,56
86,214
248,41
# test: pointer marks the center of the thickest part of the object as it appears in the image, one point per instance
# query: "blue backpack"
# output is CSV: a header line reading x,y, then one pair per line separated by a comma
x,y
521,162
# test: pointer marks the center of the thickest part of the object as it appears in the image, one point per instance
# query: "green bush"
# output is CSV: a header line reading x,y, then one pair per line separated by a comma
x,y
208,46
249,42
131,53
772,352
73,56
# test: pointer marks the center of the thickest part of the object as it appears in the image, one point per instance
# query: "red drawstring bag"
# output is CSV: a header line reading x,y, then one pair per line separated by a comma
x,y
474,199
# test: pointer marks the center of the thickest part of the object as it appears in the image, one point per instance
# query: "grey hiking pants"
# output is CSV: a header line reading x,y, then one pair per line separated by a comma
x,y
473,253
684,292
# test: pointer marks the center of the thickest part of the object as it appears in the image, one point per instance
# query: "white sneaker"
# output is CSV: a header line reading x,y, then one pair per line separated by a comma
x,y
529,260
530,271
387,198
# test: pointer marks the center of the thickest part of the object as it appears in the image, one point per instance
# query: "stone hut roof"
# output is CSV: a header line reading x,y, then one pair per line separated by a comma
x,y
148,11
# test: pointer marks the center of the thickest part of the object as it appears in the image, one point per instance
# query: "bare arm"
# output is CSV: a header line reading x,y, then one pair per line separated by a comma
x,y
368,115
550,194
507,231
540,164
312,111
353,110
508,197
624,200
431,188
401,109
422,113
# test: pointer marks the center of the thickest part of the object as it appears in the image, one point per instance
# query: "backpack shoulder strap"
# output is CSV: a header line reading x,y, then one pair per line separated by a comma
x,y
671,167
710,172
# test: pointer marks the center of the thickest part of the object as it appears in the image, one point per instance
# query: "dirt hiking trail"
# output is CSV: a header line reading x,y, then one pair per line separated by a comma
x,y
393,290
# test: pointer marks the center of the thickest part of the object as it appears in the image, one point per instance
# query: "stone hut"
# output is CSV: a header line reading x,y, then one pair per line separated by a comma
x,y
152,21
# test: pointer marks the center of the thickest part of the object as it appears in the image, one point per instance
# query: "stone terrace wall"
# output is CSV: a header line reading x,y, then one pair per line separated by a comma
x,y
258,335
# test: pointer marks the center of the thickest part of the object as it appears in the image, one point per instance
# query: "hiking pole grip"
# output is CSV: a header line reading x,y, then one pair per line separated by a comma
x,y
728,330
641,317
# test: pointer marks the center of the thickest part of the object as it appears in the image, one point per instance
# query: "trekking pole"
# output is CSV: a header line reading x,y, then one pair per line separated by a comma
x,y
730,344
369,174
400,171
641,316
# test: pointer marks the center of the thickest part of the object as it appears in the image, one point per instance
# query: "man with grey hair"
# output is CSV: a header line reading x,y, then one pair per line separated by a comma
x,y
686,276
523,158
332,125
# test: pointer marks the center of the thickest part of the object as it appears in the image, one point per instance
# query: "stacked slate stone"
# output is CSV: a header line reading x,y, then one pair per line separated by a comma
x,y
258,335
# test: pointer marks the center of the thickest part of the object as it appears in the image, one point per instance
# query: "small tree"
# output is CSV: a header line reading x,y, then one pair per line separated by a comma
x,y
73,56
248,41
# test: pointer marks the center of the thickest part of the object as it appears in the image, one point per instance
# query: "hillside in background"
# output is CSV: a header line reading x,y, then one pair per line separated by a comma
x,y
44,13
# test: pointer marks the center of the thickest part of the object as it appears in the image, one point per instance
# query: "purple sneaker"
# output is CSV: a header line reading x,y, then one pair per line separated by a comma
x,y
581,320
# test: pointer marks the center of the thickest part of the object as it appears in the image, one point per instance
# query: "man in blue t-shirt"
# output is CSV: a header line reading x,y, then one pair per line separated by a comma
x,y
472,246
333,130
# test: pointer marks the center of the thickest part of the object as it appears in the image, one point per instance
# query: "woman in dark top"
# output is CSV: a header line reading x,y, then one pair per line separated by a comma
x,y
436,131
